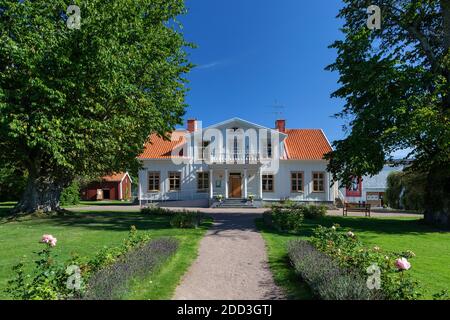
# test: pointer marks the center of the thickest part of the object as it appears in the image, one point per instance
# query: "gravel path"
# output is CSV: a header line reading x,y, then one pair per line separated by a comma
x,y
232,263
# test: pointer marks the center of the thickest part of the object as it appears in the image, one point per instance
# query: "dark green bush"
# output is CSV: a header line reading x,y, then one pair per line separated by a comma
x,y
186,220
71,195
12,183
154,210
406,190
285,219
314,211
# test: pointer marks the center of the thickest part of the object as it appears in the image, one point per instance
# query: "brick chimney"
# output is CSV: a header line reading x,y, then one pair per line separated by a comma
x,y
192,125
280,125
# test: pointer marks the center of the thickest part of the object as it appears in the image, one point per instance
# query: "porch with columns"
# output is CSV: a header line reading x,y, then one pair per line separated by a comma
x,y
247,180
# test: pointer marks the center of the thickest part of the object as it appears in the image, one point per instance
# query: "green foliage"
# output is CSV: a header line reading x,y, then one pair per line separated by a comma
x,y
346,248
405,190
285,219
394,189
186,220
48,280
155,210
83,102
12,183
396,86
71,194
44,284
315,211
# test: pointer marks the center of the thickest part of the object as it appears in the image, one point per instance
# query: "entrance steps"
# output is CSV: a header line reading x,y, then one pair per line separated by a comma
x,y
236,203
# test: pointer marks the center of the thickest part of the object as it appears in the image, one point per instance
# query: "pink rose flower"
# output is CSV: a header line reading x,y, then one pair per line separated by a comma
x,y
402,264
49,239
350,234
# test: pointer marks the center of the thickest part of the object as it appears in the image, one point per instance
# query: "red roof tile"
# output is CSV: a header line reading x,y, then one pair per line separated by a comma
x,y
306,144
116,177
159,148
300,144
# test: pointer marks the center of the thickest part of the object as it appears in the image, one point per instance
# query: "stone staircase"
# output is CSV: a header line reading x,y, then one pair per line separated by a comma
x,y
236,203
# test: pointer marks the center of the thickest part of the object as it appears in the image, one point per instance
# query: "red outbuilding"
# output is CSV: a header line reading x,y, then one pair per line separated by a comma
x,y
113,187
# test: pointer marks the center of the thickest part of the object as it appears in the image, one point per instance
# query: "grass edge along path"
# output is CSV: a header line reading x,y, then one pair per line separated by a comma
x,y
161,285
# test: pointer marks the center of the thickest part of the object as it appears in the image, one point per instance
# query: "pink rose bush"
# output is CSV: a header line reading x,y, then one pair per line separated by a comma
x,y
352,254
402,264
49,239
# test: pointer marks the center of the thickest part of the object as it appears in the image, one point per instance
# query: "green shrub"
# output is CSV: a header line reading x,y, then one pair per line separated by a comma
x,y
285,219
314,211
325,277
186,220
71,195
156,211
49,279
350,253
406,190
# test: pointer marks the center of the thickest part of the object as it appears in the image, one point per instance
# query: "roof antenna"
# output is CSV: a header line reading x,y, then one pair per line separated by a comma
x,y
277,109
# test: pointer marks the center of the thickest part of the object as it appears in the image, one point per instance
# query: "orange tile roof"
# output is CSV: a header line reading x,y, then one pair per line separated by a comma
x,y
306,144
159,148
116,177
300,144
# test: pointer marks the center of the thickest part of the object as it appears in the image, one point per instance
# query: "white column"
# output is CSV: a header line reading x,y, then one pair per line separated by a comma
x,y
211,185
140,192
245,184
260,184
226,183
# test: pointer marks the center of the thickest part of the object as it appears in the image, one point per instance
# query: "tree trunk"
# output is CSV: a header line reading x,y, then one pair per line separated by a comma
x,y
40,195
437,196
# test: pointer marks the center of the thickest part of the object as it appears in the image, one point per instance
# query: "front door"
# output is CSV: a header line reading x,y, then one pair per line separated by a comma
x,y
235,186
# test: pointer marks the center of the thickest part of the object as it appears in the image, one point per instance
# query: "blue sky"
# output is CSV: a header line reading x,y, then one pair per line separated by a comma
x,y
254,53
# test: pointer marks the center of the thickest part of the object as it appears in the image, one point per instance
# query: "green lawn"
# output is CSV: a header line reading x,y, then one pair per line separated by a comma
x,y
431,266
87,232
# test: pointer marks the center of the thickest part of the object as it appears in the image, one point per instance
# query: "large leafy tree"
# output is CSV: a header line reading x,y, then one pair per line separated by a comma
x,y
83,101
396,85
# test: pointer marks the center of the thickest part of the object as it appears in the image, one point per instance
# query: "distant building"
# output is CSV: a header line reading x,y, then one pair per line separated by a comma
x,y
113,187
371,190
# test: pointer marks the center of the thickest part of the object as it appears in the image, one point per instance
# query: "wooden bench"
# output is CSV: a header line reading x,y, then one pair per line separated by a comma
x,y
356,207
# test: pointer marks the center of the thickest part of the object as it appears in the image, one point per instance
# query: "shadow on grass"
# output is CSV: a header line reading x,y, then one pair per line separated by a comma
x,y
5,209
408,226
105,203
111,221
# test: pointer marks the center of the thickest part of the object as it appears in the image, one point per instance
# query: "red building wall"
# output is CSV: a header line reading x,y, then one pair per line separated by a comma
x,y
90,193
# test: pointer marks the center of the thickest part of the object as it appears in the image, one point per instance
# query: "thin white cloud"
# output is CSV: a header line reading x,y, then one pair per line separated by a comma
x,y
212,64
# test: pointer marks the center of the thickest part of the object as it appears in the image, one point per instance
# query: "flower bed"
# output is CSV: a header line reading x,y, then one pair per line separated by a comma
x,y
326,278
386,272
102,277
111,282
